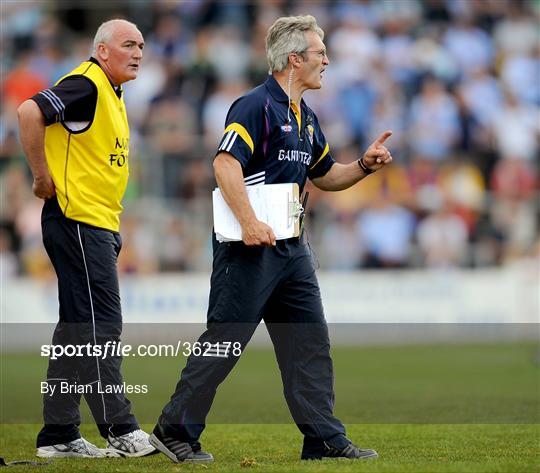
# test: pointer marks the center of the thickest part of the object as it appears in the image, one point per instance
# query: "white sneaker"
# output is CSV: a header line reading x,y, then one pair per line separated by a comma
x,y
132,444
76,448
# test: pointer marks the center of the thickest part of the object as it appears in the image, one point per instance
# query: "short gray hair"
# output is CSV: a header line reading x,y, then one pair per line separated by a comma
x,y
105,31
287,35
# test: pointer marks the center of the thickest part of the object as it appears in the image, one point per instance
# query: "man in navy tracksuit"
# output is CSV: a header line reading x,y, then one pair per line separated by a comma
x,y
271,136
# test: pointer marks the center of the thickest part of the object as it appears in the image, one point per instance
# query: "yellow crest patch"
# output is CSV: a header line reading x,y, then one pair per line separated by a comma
x,y
310,131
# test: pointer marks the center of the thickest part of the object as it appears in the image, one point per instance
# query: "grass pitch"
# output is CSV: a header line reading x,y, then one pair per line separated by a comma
x,y
275,448
445,408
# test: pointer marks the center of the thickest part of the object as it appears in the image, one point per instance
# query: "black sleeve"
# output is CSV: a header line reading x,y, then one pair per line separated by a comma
x,y
73,99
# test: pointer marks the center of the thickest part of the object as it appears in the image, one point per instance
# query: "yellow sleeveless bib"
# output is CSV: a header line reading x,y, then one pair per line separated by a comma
x,y
90,167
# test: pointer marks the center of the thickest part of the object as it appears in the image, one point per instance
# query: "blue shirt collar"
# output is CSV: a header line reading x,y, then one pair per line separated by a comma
x,y
276,91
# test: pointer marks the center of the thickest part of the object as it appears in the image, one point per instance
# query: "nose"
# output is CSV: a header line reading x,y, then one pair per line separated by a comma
x,y
326,61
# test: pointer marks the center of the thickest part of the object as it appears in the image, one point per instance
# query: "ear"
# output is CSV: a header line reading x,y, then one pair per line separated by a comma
x,y
103,51
295,59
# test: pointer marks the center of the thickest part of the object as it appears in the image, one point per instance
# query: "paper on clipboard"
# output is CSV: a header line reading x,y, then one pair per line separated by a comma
x,y
277,205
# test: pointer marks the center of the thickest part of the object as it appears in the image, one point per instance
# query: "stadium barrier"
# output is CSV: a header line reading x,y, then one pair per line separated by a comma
x,y
391,306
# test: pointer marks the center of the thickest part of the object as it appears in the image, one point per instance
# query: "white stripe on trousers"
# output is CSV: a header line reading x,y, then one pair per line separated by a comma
x,y
93,326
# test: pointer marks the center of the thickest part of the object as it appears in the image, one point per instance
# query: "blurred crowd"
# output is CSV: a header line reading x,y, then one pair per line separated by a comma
x,y
458,81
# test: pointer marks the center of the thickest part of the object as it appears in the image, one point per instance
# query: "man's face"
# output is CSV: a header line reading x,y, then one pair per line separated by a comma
x,y
121,56
314,62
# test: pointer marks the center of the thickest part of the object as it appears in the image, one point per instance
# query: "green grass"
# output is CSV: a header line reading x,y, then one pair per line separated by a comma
x,y
445,408
275,448
459,384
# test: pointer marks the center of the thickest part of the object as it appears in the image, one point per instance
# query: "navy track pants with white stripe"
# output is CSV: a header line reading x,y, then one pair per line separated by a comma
x,y
249,284
84,259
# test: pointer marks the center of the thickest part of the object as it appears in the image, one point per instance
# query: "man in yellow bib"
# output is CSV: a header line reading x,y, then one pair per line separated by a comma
x,y
75,136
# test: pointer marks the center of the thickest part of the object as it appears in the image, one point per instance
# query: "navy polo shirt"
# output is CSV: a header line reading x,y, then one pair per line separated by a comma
x,y
272,147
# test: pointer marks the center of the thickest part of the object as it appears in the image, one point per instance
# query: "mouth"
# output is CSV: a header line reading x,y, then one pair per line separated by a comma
x,y
134,66
321,72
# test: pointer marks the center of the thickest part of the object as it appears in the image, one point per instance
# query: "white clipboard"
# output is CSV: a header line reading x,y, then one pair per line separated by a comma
x,y
277,205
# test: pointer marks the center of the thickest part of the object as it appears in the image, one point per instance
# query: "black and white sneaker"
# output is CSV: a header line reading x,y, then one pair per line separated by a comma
x,y
351,452
132,444
200,456
177,450
320,450
76,448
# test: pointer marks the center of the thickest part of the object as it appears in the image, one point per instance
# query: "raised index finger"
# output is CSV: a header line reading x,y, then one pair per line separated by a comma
x,y
383,137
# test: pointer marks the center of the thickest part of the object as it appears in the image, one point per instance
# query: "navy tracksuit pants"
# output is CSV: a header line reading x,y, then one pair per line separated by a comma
x,y
277,284
84,259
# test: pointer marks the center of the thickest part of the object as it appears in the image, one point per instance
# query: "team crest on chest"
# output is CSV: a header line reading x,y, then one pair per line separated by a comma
x,y
310,131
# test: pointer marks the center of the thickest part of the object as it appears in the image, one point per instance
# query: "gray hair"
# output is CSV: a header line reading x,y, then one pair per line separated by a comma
x,y
287,36
105,31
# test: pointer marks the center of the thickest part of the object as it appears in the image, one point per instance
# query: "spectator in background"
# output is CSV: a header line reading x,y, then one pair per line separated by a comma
x,y
356,48
171,43
28,226
389,113
18,84
170,127
386,230
431,58
397,48
394,45
470,46
423,177
520,75
514,209
515,128
21,82
149,87
349,253
174,245
229,54
47,57
139,254
366,13
463,185
10,265
14,189
442,236
517,32
216,106
482,95
433,121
